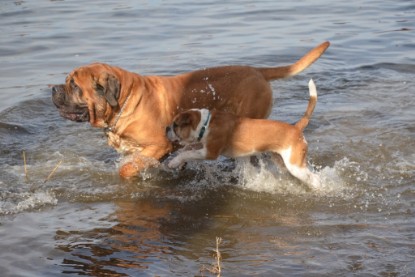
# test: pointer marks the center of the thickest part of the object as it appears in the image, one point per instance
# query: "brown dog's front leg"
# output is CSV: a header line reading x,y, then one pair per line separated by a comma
x,y
131,169
148,157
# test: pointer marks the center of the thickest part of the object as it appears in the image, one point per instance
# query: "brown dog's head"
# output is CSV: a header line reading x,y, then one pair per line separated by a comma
x,y
187,126
90,93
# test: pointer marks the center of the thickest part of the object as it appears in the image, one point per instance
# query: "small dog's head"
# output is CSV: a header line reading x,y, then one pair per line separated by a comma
x,y
186,127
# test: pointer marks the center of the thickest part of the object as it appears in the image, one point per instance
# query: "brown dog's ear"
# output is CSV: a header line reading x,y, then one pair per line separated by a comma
x,y
108,86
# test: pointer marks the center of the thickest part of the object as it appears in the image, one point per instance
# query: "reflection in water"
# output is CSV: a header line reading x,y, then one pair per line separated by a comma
x,y
160,235
133,242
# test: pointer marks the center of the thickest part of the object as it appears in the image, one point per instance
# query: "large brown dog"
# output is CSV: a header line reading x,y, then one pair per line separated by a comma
x,y
135,109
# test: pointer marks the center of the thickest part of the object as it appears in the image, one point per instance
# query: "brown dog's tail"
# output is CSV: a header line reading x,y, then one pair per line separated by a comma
x,y
271,73
303,122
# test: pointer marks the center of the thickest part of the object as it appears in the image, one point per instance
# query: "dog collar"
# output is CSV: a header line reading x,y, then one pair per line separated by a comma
x,y
203,129
111,128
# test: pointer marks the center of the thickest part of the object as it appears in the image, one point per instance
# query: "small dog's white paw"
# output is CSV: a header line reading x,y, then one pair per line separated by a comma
x,y
175,163
315,182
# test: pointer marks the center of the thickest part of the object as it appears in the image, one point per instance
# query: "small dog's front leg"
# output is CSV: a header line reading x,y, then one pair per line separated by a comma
x,y
186,156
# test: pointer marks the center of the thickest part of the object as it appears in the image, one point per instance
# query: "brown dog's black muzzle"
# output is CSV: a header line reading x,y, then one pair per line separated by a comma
x,y
58,95
67,109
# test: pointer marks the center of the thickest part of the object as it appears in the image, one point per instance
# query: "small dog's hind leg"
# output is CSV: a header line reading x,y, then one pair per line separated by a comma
x,y
301,172
279,161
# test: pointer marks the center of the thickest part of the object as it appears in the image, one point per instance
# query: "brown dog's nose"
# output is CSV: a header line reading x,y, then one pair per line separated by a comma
x,y
58,89
58,95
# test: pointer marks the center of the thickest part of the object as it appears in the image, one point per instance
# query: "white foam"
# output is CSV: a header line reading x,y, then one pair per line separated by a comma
x,y
258,178
20,202
337,180
265,177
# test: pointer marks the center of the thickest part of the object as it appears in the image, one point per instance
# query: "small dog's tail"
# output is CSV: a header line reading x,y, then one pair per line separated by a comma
x,y
272,73
303,122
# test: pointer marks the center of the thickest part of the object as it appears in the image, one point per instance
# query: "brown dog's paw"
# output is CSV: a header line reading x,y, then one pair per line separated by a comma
x,y
128,170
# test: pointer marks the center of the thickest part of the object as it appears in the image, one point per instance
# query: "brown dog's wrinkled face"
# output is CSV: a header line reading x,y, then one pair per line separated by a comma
x,y
87,95
184,127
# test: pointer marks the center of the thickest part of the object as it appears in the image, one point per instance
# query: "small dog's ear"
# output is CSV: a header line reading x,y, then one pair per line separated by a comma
x,y
189,118
184,119
108,86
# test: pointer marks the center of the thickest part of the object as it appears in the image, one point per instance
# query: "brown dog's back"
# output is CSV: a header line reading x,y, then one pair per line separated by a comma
x,y
242,90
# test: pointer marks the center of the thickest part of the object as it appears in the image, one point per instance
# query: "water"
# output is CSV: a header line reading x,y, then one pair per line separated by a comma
x,y
85,220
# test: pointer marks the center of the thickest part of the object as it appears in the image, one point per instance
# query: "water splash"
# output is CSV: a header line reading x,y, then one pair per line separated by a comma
x,y
13,203
264,177
267,178
82,179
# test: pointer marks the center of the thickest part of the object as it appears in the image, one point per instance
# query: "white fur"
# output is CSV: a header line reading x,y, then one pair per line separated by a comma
x,y
186,156
312,88
302,173
204,113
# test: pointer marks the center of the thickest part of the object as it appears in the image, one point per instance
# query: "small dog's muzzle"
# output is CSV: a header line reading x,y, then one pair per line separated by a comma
x,y
171,135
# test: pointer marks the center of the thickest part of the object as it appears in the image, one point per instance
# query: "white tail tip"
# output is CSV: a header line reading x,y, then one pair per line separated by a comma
x,y
312,88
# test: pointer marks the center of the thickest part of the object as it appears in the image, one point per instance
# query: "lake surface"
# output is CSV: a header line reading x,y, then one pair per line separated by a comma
x,y
85,220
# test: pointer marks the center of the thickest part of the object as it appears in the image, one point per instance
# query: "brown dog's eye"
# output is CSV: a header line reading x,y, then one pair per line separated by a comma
x,y
100,89
73,84
75,88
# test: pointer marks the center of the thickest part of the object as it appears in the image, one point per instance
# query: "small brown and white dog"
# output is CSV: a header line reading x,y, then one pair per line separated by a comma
x,y
206,135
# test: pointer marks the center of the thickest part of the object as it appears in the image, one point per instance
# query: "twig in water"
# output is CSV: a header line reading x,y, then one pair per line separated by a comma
x,y
24,164
215,269
218,255
53,171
